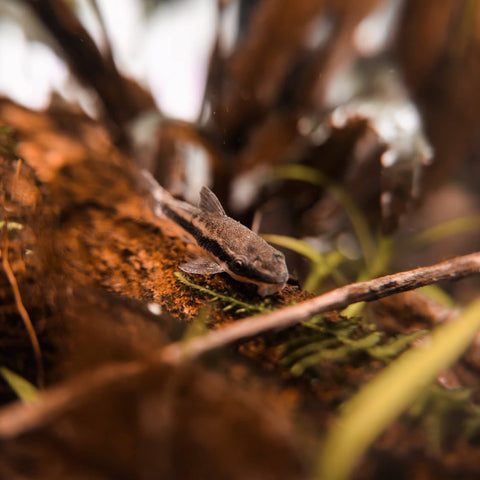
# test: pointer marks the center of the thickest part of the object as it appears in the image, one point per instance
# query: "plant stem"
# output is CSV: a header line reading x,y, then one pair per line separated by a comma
x,y
337,299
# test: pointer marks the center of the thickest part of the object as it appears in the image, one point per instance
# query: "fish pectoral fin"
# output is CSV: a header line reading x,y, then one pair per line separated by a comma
x,y
201,266
210,203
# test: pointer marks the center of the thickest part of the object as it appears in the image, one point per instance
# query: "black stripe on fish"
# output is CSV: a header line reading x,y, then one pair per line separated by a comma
x,y
212,246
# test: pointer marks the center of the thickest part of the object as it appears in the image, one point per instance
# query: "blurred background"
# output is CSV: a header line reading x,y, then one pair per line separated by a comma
x,y
345,132
164,45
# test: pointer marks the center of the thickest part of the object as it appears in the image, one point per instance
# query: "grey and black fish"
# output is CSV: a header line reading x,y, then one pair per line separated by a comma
x,y
228,245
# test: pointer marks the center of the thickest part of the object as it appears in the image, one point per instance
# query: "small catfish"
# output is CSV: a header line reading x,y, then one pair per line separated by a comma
x,y
228,245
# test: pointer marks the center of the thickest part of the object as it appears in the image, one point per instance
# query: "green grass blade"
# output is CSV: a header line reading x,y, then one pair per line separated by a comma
x,y
297,246
394,346
438,295
378,266
356,216
377,404
446,229
324,268
322,265
25,391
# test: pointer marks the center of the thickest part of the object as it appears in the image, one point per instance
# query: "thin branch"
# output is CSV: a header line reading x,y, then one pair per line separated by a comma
x,y
337,299
19,418
16,177
23,311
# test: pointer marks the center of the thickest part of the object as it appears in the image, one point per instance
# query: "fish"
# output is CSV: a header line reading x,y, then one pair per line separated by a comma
x,y
226,244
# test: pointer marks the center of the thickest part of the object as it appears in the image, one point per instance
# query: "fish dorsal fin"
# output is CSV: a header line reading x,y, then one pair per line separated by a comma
x,y
210,203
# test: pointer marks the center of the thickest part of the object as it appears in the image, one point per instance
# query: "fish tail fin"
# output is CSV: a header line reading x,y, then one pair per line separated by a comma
x,y
162,198
159,194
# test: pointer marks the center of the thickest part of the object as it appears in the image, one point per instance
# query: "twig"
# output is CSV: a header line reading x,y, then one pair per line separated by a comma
x,y
337,299
16,177
23,312
20,418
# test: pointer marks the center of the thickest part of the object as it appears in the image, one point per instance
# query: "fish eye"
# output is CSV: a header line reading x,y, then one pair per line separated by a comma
x,y
238,264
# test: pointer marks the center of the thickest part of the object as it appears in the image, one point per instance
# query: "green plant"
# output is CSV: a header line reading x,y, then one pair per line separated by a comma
x,y
441,412
321,265
7,140
379,402
376,250
230,302
339,341
23,388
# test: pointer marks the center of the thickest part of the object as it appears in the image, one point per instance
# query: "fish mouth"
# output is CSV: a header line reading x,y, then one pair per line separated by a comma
x,y
265,289
266,284
262,278
273,279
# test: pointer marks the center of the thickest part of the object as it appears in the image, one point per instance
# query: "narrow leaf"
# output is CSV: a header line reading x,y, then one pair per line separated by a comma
x,y
377,404
25,391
